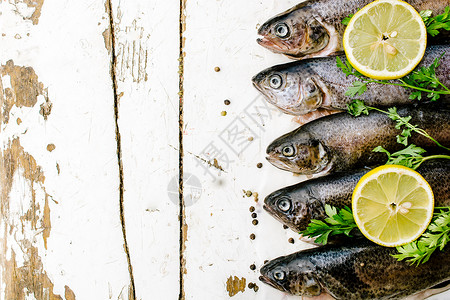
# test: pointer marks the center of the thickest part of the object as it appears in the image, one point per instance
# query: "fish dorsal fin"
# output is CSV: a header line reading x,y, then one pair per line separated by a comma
x,y
298,6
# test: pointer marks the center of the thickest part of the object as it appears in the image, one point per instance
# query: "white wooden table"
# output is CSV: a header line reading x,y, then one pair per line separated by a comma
x,y
94,100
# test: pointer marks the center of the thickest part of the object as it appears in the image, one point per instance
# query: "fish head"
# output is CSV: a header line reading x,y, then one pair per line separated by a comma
x,y
298,152
290,275
296,91
295,33
291,208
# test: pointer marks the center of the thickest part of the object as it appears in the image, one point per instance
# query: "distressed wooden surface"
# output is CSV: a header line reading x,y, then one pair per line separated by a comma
x,y
90,95
147,49
60,228
223,34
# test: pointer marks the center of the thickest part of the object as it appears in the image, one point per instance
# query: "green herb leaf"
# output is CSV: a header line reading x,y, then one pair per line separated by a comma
x,y
435,24
357,88
339,221
426,79
347,19
346,68
382,150
426,14
410,157
435,237
416,95
357,107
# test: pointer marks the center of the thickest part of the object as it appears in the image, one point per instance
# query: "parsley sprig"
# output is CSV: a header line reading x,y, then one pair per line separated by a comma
x,y
412,156
422,80
341,221
434,24
357,107
435,237
338,222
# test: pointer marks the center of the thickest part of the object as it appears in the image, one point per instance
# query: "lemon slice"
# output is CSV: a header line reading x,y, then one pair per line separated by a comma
x,y
392,205
386,39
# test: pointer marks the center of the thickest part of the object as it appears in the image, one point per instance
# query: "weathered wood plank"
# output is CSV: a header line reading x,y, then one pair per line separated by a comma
x,y
147,49
60,227
223,34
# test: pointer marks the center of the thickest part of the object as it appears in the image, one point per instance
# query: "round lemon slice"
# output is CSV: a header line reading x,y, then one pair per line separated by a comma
x,y
392,205
386,39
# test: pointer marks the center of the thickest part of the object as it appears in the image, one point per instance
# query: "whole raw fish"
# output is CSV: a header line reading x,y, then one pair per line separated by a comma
x,y
356,271
304,87
296,205
341,142
314,28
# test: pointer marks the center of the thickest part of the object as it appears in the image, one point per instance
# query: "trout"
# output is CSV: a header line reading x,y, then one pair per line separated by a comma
x,y
314,28
296,205
309,86
356,271
341,142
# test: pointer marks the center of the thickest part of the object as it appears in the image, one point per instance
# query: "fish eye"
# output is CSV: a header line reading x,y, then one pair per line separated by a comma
x,y
279,275
275,81
288,151
284,205
282,30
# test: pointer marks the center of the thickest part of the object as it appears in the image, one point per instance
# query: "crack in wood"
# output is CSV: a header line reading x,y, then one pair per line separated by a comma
x,y
108,6
182,217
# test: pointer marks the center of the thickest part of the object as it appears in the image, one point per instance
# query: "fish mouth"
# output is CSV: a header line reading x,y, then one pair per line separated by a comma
x,y
268,281
260,89
265,42
270,210
256,82
269,44
278,163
